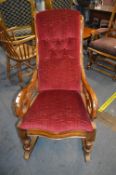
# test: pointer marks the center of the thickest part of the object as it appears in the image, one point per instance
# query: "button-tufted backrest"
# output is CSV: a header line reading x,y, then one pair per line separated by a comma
x,y
58,33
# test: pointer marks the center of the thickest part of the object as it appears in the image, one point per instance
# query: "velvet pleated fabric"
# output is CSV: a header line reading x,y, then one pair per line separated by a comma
x,y
59,49
59,106
57,111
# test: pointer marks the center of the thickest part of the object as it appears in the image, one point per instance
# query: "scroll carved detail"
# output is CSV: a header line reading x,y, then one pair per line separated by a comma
x,y
26,97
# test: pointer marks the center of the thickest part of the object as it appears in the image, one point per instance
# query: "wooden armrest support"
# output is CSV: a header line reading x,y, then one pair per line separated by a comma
x,y
26,97
105,31
96,33
16,28
13,31
21,41
24,40
90,98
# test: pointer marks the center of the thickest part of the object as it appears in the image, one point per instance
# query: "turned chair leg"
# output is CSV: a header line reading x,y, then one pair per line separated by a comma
x,y
19,72
87,148
114,76
90,59
28,143
8,68
88,145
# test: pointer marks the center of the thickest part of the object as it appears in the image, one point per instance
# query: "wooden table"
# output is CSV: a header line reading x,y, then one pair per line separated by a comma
x,y
87,33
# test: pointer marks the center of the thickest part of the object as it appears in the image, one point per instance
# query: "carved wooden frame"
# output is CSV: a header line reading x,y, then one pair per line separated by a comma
x,y
26,97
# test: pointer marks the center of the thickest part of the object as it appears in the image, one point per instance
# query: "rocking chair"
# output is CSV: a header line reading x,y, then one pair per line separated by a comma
x,y
58,103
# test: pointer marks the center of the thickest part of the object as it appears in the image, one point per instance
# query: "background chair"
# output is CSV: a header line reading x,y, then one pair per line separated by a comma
x,y
19,51
105,25
58,4
18,14
66,105
102,50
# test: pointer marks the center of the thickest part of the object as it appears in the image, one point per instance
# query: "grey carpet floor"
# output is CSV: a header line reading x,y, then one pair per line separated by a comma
x,y
51,157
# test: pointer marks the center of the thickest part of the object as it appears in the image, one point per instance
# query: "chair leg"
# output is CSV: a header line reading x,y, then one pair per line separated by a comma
x,y
28,142
88,145
87,148
90,59
8,68
114,76
19,72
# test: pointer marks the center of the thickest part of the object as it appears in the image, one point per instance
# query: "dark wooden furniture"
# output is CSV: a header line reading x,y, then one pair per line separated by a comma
x,y
20,52
105,48
58,103
100,12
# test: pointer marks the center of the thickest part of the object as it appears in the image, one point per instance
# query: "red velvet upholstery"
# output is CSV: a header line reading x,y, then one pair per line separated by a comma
x,y
59,49
57,111
59,106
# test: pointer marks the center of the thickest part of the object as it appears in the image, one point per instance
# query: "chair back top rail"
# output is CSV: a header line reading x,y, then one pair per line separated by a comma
x,y
19,51
17,12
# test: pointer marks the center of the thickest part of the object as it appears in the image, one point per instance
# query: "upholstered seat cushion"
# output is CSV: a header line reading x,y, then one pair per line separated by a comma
x,y
105,44
57,111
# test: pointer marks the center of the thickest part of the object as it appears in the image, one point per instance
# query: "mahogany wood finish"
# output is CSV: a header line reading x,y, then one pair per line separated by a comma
x,y
28,94
88,33
21,51
105,61
48,4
